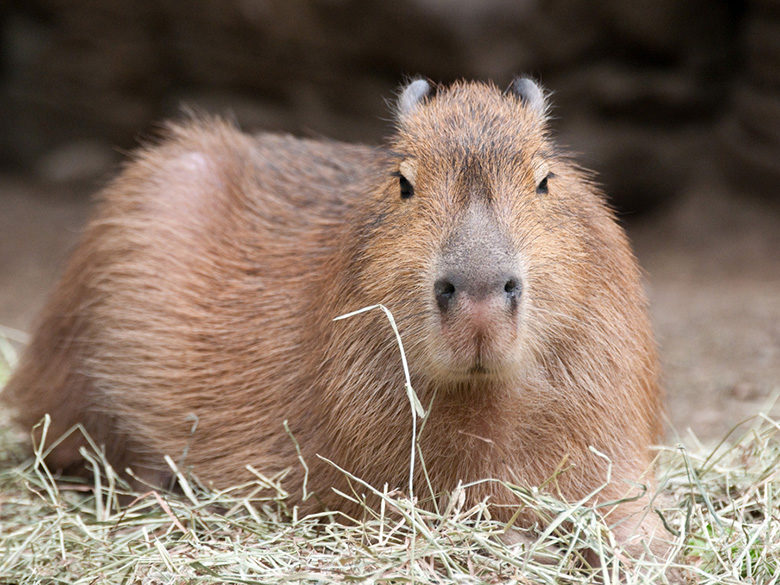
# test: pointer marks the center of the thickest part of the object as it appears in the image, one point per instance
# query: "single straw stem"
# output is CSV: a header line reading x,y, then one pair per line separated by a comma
x,y
414,401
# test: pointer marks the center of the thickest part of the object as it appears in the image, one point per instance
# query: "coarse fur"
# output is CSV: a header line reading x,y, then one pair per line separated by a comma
x,y
196,315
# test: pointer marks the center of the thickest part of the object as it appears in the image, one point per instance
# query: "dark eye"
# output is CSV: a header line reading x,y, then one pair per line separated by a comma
x,y
541,188
406,187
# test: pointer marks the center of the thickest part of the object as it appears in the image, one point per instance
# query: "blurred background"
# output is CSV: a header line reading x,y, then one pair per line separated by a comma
x,y
675,104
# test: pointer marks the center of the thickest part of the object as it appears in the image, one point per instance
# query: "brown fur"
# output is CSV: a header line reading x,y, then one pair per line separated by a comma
x,y
208,279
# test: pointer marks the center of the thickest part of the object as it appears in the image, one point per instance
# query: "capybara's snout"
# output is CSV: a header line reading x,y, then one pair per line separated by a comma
x,y
478,268
478,291
490,287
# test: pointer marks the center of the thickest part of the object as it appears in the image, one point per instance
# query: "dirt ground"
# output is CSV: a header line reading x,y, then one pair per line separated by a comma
x,y
713,278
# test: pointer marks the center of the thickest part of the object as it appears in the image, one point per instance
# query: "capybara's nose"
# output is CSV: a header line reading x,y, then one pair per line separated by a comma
x,y
502,287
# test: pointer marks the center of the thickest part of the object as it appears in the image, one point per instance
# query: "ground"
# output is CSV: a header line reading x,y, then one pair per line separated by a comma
x,y
713,277
712,263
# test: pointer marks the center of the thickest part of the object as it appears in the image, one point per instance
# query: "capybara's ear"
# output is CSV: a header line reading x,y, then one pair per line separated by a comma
x,y
529,93
412,96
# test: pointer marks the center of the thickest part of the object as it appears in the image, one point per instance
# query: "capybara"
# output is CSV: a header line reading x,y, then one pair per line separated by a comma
x,y
197,313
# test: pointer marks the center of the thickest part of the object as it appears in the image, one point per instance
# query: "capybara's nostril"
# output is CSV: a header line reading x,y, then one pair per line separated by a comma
x,y
513,289
444,291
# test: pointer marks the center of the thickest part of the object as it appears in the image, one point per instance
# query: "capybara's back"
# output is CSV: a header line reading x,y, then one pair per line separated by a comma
x,y
196,316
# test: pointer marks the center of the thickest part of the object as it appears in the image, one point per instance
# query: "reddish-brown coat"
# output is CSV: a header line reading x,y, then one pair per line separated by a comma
x,y
196,314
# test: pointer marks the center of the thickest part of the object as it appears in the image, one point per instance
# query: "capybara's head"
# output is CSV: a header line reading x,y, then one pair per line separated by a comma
x,y
483,245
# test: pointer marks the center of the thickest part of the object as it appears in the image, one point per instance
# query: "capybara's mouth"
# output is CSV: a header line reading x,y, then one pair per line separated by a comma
x,y
480,367
478,370
482,354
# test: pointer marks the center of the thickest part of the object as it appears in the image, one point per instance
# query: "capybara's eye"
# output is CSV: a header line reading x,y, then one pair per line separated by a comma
x,y
541,188
406,187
